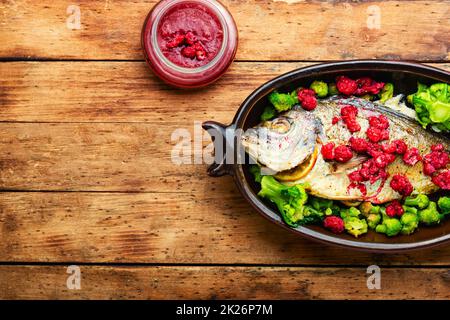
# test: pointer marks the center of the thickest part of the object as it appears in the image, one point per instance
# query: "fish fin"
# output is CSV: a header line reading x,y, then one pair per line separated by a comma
x,y
353,163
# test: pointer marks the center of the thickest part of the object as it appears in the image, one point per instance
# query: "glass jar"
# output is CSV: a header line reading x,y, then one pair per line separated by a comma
x,y
189,58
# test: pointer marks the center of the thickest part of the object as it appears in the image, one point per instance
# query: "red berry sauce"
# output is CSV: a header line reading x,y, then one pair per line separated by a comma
x,y
190,35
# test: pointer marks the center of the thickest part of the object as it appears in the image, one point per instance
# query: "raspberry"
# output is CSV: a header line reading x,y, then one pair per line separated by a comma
x,y
389,148
442,180
383,160
359,145
381,174
343,154
188,52
356,176
334,224
328,151
198,46
349,114
367,85
374,150
374,134
352,125
190,38
335,120
346,85
401,184
390,157
200,54
401,146
412,156
349,111
437,147
437,159
380,122
394,209
176,42
307,99
428,169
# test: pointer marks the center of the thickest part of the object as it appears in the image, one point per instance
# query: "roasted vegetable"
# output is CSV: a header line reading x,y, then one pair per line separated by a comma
x,y
332,89
409,220
372,214
387,92
328,207
268,113
432,105
353,224
373,220
389,226
430,215
444,205
311,216
421,201
320,88
282,101
290,201
255,170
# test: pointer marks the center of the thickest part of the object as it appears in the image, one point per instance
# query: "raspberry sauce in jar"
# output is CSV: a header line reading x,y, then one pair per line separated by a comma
x,y
189,43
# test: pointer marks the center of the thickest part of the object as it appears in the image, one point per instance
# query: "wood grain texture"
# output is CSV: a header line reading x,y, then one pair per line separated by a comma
x,y
318,30
98,282
216,227
124,92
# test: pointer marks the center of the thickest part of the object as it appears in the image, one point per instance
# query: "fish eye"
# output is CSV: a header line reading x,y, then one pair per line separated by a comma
x,y
280,125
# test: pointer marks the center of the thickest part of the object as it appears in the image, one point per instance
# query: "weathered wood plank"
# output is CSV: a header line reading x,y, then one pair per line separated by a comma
x,y
123,92
96,157
213,226
100,282
318,30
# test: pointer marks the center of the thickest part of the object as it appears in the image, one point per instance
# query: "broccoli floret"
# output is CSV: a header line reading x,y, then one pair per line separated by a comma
x,y
332,89
311,216
387,92
320,203
373,220
294,95
281,101
350,212
367,208
290,201
409,220
432,105
421,201
355,226
320,88
326,206
268,113
352,221
255,170
444,205
389,226
372,214
430,215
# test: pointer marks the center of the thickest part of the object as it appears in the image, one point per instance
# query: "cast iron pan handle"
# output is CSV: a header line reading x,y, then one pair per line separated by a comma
x,y
223,139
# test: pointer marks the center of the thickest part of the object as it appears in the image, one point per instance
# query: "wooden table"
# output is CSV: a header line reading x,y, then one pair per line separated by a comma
x,y
86,175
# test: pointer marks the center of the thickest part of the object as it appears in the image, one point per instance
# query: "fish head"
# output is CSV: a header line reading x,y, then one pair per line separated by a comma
x,y
284,142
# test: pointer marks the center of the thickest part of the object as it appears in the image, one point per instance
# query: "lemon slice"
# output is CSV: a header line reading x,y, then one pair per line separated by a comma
x,y
299,171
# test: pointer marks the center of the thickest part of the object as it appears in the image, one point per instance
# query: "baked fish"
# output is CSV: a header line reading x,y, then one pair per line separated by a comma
x,y
289,148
